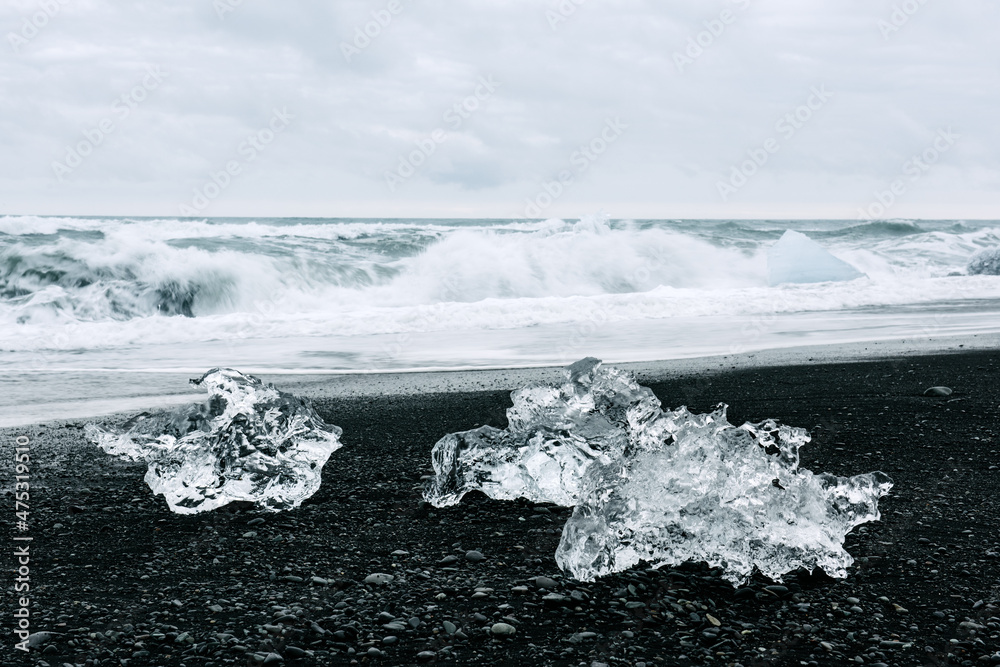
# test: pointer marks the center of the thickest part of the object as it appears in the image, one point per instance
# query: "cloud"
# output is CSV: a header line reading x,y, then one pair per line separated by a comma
x,y
354,117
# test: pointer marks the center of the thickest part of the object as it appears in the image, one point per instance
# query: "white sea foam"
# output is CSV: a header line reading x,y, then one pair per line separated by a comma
x,y
87,283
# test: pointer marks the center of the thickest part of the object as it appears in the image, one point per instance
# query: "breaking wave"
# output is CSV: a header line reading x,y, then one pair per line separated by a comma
x,y
308,277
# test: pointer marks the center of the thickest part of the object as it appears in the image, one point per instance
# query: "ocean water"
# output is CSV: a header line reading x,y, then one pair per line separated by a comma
x,y
92,295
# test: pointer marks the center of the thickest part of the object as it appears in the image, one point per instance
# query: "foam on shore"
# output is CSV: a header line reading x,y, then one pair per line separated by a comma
x,y
135,391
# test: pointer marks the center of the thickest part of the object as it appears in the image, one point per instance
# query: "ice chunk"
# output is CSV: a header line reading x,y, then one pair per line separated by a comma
x,y
248,442
796,258
554,436
663,486
986,262
731,496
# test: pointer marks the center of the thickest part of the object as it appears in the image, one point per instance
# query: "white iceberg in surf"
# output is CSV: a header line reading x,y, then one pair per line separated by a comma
x,y
661,486
985,262
796,258
248,442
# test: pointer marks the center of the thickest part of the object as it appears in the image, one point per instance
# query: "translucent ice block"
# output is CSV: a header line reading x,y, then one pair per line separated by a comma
x,y
731,496
662,486
248,442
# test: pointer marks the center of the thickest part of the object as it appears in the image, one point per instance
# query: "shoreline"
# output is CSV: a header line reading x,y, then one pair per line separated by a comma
x,y
215,589
173,389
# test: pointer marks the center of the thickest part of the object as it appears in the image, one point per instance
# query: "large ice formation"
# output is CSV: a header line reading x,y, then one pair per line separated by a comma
x,y
796,258
659,486
985,262
248,442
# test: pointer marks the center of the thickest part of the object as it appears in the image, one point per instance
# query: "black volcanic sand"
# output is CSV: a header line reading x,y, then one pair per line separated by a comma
x,y
125,582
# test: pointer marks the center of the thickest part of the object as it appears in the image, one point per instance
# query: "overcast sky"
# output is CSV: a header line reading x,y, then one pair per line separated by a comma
x,y
313,117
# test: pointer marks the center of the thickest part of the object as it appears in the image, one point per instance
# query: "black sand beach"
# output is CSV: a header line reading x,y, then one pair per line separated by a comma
x,y
122,581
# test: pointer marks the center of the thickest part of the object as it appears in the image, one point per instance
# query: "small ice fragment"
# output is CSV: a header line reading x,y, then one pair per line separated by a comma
x,y
796,258
731,496
553,437
248,442
985,262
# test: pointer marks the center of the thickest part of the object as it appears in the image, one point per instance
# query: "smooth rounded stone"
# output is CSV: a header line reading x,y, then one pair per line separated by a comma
x,y
414,622
474,556
448,560
374,653
390,639
450,627
273,659
400,553
255,522
295,652
503,629
426,656
379,578
544,582
938,391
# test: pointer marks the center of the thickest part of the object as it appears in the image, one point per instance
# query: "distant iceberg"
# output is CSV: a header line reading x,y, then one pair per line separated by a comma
x,y
985,262
796,258
249,442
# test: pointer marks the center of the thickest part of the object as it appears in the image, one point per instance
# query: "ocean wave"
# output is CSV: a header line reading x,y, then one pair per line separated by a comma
x,y
268,321
364,276
877,229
